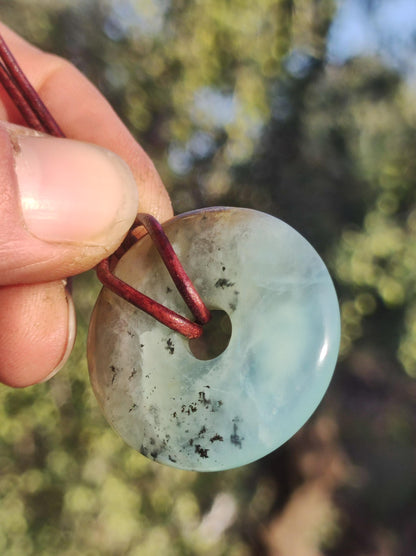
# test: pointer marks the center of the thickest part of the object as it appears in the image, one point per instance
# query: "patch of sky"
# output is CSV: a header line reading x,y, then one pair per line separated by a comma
x,y
298,63
201,145
384,28
213,107
135,17
181,159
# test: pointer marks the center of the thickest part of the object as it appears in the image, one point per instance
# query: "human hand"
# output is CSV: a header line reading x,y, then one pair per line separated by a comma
x,y
64,206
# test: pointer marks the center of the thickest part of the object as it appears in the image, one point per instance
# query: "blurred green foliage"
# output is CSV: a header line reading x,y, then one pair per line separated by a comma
x,y
237,104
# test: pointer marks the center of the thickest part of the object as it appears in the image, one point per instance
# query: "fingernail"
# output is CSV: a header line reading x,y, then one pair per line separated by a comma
x,y
72,330
72,191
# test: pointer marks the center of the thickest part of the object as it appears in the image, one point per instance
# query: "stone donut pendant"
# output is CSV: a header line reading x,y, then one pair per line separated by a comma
x,y
259,375
265,358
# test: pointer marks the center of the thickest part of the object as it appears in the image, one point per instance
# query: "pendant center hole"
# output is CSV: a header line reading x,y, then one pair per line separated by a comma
x,y
215,338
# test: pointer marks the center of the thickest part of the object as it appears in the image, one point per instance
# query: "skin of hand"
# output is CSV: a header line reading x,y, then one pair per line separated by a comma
x,y
65,204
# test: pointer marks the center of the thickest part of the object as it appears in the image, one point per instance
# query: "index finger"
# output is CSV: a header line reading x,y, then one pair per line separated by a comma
x,y
84,114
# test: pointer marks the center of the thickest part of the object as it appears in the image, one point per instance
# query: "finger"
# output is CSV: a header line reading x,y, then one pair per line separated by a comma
x,y
64,206
37,331
84,114
28,253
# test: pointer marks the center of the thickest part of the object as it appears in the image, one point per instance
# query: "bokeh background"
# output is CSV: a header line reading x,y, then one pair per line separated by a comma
x,y
305,109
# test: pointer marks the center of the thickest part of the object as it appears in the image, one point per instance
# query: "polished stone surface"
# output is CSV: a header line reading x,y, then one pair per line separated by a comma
x,y
221,413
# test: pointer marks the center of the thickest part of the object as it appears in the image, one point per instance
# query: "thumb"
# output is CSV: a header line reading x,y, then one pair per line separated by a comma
x,y
64,205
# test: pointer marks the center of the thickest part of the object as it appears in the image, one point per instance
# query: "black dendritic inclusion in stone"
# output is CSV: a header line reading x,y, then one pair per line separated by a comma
x,y
202,452
215,338
216,438
235,438
170,347
224,283
114,371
